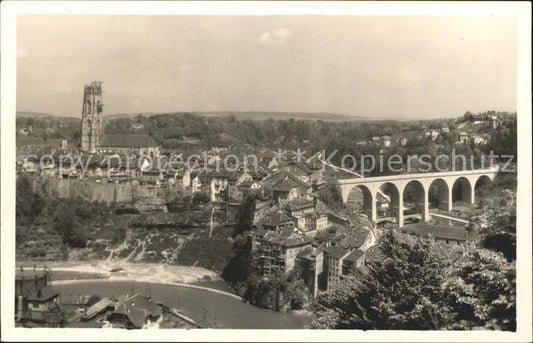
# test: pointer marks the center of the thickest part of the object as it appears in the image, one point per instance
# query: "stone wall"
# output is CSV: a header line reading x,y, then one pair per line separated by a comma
x,y
106,192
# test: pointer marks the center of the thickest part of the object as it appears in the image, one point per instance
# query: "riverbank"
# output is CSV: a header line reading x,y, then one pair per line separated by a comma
x,y
127,271
178,284
208,307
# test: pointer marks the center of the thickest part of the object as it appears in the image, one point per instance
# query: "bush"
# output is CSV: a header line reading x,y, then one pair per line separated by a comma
x,y
28,204
179,205
126,210
118,235
212,254
200,198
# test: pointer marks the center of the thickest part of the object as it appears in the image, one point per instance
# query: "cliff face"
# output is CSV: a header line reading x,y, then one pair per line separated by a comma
x,y
169,238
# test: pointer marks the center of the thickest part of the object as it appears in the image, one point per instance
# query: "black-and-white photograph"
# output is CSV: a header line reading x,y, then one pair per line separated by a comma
x,y
268,171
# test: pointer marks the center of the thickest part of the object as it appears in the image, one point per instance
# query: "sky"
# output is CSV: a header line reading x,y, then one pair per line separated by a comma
x,y
382,67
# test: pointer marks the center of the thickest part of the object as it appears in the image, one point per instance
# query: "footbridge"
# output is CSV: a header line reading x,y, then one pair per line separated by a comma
x,y
463,181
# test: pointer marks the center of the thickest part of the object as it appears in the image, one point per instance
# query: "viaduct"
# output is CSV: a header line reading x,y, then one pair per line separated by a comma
x,y
396,184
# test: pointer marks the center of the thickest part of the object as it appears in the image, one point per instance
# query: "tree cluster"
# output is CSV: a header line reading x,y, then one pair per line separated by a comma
x,y
409,284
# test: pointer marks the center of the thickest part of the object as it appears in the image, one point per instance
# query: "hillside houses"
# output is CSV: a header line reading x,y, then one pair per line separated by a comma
x,y
277,250
489,119
127,144
475,138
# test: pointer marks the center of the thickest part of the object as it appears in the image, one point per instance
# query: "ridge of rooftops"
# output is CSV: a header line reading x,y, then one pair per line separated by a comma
x,y
43,294
127,141
284,181
335,251
285,237
299,203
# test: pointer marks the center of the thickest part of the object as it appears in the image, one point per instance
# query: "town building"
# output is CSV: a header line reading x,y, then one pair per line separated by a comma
x,y
135,312
42,307
246,188
386,141
278,250
139,144
286,187
340,263
445,234
464,137
314,222
313,273
275,220
479,139
100,307
93,138
25,131
240,183
35,300
300,206
92,122
432,134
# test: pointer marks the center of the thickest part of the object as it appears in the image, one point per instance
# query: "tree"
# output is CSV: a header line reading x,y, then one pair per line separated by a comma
x,y
497,228
240,265
331,196
481,291
245,214
28,204
200,198
399,290
67,224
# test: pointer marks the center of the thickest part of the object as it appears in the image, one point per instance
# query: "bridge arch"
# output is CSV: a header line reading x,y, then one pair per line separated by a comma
x,y
439,194
415,199
483,180
480,187
463,190
360,198
389,202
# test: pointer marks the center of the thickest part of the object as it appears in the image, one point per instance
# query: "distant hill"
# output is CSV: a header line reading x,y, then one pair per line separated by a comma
x,y
284,115
25,114
33,114
257,115
127,115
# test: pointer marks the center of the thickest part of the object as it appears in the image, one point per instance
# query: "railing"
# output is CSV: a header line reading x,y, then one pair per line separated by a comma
x,y
420,175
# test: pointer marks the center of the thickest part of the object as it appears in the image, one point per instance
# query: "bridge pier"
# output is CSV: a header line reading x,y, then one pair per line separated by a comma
x,y
423,207
371,211
398,212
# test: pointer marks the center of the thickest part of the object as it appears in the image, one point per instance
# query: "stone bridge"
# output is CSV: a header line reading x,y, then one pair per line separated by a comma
x,y
465,181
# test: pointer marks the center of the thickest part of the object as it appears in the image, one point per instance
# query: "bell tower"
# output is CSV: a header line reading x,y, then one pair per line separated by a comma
x,y
92,129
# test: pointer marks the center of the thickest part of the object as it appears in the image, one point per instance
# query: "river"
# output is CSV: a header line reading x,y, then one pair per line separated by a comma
x,y
200,305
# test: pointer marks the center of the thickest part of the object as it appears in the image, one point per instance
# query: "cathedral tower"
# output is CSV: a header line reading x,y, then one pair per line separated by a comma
x,y
92,129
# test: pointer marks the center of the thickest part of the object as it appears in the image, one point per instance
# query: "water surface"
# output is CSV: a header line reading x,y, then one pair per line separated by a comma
x,y
202,306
